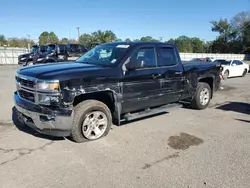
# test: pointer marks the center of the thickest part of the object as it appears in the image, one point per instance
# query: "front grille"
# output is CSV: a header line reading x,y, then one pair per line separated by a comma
x,y
25,83
27,95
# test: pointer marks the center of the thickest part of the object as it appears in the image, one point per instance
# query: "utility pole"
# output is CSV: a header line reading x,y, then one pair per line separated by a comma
x,y
78,29
29,42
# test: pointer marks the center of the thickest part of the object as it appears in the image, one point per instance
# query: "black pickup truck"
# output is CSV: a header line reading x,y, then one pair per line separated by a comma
x,y
59,52
27,59
111,83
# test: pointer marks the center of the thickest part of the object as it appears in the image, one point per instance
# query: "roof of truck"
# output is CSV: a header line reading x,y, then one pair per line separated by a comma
x,y
139,42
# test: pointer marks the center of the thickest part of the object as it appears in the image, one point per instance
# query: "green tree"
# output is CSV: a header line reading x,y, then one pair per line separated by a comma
x,y
64,41
197,45
44,38
104,36
148,39
184,44
53,38
238,22
2,40
86,39
171,41
48,37
246,37
127,40
224,29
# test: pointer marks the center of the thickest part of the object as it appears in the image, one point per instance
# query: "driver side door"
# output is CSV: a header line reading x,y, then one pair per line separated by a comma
x,y
141,86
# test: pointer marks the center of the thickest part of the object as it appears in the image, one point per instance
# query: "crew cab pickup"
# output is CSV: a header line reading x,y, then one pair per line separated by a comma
x,y
111,83
59,52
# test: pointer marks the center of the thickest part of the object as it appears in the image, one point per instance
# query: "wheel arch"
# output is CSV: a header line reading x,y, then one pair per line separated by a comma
x,y
108,97
210,81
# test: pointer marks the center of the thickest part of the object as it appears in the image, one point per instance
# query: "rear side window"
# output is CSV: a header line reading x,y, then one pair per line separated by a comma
x,y
166,56
237,62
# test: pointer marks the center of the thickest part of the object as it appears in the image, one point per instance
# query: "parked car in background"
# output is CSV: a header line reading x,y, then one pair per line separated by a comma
x,y
233,68
25,59
207,59
59,52
110,83
74,50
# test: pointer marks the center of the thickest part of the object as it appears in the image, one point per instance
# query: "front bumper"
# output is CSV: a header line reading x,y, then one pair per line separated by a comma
x,y
22,62
43,119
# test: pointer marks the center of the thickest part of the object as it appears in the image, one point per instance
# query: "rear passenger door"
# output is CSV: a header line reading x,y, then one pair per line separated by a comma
x,y
172,73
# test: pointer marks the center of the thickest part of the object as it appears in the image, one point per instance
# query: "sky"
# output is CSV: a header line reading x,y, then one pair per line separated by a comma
x,y
126,18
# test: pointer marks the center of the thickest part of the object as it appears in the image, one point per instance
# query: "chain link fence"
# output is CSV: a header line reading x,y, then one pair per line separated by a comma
x,y
9,56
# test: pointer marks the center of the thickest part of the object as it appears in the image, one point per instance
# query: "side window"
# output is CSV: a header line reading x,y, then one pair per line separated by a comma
x,y
145,57
238,62
166,56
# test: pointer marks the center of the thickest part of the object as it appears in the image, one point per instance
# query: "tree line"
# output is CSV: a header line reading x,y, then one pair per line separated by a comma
x,y
233,37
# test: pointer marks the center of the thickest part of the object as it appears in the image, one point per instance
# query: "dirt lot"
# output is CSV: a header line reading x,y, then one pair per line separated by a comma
x,y
183,148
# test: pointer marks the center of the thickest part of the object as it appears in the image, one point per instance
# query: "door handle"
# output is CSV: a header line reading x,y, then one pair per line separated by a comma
x,y
178,72
154,76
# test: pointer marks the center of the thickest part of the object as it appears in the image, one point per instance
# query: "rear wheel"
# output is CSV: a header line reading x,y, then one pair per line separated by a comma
x,y
29,63
202,96
65,57
225,75
244,73
92,120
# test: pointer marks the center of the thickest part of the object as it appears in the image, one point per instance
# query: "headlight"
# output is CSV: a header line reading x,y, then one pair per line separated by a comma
x,y
48,86
30,56
23,58
40,59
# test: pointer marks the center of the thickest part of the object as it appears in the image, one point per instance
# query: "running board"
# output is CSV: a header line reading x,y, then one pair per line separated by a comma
x,y
151,111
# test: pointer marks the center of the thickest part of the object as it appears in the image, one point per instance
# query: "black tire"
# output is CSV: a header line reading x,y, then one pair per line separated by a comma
x,y
80,112
29,63
225,75
244,73
196,103
65,58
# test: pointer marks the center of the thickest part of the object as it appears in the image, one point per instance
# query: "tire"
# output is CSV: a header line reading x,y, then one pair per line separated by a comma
x,y
81,112
244,73
196,102
29,63
225,75
65,58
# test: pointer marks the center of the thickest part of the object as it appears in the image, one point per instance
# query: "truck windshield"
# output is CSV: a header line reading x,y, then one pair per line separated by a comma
x,y
50,48
34,49
105,54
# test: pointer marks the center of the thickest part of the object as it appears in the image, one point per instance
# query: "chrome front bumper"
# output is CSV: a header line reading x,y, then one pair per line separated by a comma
x,y
42,119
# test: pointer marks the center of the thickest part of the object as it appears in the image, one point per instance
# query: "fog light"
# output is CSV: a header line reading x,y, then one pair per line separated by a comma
x,y
43,99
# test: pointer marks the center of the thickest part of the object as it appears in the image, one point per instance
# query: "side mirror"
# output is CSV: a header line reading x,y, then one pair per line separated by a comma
x,y
233,64
132,65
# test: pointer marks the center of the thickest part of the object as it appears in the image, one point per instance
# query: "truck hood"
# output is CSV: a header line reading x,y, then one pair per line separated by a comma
x,y
61,70
26,55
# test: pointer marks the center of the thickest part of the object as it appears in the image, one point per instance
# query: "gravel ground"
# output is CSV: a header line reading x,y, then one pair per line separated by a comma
x,y
183,148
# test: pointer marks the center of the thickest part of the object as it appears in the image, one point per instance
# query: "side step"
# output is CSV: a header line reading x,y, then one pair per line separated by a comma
x,y
151,111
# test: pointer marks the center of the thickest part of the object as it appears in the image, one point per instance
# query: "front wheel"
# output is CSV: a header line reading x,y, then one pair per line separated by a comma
x,y
244,73
92,120
29,63
225,75
202,96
